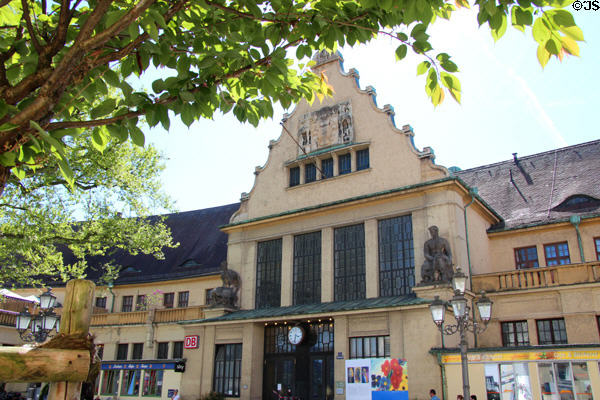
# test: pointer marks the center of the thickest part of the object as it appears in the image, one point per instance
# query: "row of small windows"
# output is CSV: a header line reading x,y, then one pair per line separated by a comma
x,y
396,264
137,351
142,302
151,383
555,254
326,167
549,331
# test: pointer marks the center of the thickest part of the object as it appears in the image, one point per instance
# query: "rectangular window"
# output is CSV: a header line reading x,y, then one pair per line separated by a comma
x,y
168,299
153,382
370,347
131,382
515,333
101,302
122,350
565,381
268,274
362,159
228,369
207,296
557,254
526,257
138,351
507,381
310,173
294,176
597,245
344,164
349,263
100,351
396,256
162,352
110,382
177,350
127,304
140,302
307,268
183,299
552,331
326,168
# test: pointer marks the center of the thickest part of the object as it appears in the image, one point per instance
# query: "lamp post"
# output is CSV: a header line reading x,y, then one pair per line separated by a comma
x,y
464,322
41,324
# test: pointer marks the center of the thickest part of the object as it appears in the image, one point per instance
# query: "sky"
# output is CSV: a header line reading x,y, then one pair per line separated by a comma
x,y
509,105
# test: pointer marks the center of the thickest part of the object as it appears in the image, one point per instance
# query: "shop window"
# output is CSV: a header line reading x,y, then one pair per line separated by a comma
x,y
138,351
507,381
597,245
162,352
127,304
294,176
153,382
177,350
396,256
526,257
122,350
101,302
565,381
552,331
326,168
515,333
369,347
307,268
344,164
168,299
228,369
310,173
362,159
131,382
557,254
110,382
268,274
349,263
140,302
183,299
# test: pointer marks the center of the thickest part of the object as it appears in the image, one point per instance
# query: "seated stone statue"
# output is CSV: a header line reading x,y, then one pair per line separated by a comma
x,y
226,295
438,259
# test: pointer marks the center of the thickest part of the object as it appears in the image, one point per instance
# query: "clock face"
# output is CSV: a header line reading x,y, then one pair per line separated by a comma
x,y
296,335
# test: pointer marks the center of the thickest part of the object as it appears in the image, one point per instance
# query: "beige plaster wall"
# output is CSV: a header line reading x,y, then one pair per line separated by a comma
x,y
394,161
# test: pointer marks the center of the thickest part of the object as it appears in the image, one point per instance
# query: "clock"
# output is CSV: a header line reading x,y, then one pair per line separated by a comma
x,y
296,334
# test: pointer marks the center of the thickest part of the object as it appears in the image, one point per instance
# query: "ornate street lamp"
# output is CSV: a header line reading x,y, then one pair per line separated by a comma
x,y
41,324
464,322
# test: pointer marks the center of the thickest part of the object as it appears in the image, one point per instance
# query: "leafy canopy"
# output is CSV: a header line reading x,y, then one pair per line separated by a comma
x,y
71,64
39,232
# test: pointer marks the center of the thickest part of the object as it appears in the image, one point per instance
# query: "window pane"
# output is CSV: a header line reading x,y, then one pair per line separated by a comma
x,y
177,349
228,361
183,299
581,378
327,168
362,159
122,350
268,274
344,164
547,382
294,176
138,351
492,381
396,256
131,383
564,381
307,268
310,173
349,263
162,351
127,304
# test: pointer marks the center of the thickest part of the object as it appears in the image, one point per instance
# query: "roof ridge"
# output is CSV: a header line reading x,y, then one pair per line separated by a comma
x,y
560,149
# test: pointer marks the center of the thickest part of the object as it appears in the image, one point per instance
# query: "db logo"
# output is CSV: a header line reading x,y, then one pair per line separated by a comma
x,y
191,342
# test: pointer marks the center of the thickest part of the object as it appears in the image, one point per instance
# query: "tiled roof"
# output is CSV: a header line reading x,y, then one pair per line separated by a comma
x,y
525,190
318,308
202,248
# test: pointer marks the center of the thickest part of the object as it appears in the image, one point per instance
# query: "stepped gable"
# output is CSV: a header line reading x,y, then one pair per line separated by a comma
x,y
541,188
202,248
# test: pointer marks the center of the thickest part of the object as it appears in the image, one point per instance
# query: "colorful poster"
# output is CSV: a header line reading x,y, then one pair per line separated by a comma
x,y
376,379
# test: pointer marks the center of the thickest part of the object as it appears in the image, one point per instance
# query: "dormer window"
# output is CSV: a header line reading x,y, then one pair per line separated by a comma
x,y
362,159
294,176
578,203
310,173
345,164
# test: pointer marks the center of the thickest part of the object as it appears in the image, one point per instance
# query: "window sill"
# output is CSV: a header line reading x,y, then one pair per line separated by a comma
x,y
353,173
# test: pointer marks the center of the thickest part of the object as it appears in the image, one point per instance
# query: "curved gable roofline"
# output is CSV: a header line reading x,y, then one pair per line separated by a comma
x,y
387,109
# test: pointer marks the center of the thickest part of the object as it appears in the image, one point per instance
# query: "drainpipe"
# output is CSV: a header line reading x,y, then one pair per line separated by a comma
x,y
575,220
472,192
112,303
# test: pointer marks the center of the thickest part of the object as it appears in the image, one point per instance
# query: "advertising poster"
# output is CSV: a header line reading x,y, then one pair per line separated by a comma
x,y
376,379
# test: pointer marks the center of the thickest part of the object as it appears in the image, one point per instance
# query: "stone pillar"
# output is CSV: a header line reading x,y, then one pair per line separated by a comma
x,y
371,258
287,270
327,265
340,332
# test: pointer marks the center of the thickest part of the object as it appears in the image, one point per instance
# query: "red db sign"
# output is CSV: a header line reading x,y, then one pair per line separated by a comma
x,y
191,342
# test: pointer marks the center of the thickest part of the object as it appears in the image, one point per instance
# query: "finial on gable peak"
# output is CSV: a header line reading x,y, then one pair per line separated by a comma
x,y
323,57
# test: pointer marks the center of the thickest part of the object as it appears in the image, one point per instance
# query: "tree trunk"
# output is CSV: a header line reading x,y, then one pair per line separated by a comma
x,y
75,318
25,364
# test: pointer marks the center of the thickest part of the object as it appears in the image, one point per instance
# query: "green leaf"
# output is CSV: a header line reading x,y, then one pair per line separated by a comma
x,y
423,67
188,114
498,31
117,131
66,172
19,173
452,83
562,18
150,28
553,46
137,136
99,139
111,77
46,137
540,31
543,55
105,108
570,45
401,52
574,32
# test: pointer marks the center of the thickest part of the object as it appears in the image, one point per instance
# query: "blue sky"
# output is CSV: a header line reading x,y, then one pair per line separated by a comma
x,y
509,104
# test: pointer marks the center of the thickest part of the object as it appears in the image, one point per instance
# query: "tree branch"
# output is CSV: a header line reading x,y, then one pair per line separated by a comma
x,y
27,17
4,2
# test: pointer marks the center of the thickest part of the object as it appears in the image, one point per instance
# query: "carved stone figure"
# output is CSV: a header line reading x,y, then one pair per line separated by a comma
x,y
438,259
226,295
325,127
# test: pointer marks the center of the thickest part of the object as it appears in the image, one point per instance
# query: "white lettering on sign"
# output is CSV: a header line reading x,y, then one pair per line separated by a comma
x,y
191,342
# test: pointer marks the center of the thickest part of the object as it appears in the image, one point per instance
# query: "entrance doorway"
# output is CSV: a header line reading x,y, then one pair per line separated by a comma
x,y
305,369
